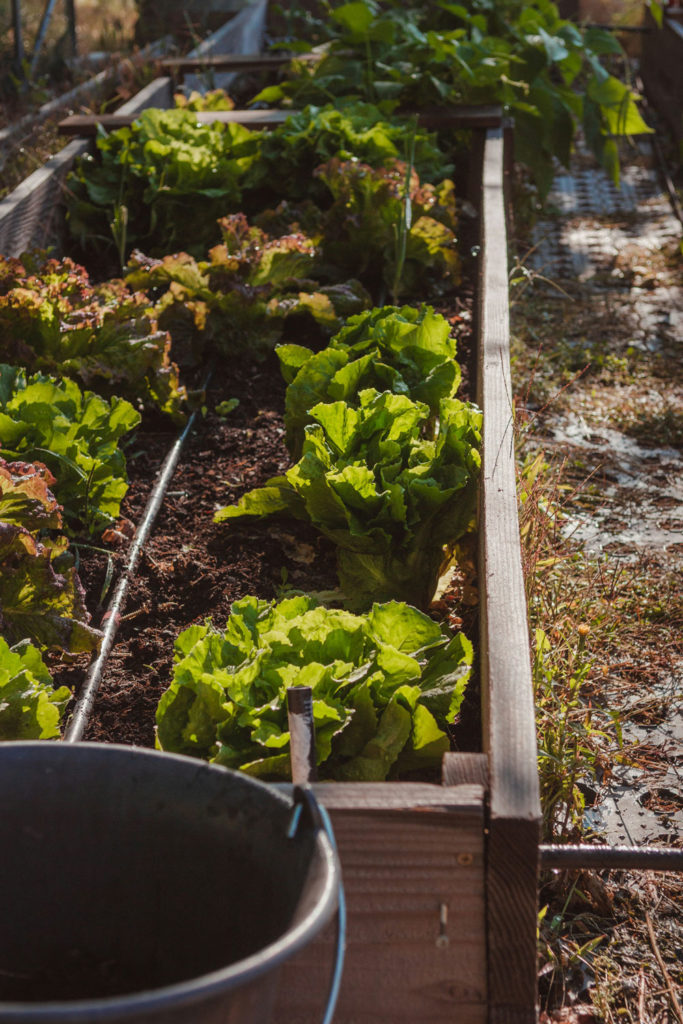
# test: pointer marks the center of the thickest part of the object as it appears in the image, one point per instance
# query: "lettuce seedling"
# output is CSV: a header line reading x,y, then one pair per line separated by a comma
x,y
389,498
385,688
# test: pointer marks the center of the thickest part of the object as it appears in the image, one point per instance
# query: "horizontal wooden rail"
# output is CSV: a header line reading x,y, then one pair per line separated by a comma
x,y
86,125
234,62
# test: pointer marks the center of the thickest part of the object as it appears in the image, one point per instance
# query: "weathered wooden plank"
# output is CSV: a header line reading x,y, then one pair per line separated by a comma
x,y
234,62
406,852
27,214
465,116
396,796
507,697
462,117
157,93
465,769
86,125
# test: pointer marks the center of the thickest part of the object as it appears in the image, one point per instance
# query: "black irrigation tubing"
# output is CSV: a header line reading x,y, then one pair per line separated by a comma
x,y
112,617
596,858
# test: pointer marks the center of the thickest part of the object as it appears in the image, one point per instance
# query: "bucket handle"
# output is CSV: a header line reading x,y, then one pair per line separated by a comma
x,y
304,798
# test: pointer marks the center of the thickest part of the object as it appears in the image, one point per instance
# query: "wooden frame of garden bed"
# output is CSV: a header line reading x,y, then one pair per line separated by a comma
x,y
441,880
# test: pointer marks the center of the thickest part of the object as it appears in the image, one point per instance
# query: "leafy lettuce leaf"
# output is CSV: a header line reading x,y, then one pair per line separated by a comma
x,y
362,229
239,299
389,498
213,99
76,434
41,598
174,176
227,701
30,706
405,350
345,130
53,320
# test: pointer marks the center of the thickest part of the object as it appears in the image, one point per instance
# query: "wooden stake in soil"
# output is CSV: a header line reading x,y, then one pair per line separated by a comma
x,y
301,735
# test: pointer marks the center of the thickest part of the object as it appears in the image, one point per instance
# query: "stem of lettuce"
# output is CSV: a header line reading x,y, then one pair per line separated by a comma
x,y
405,222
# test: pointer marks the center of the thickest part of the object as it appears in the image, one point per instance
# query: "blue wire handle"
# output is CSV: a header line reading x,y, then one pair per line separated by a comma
x,y
304,796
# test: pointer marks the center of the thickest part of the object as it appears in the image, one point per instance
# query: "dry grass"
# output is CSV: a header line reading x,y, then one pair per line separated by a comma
x,y
101,27
606,632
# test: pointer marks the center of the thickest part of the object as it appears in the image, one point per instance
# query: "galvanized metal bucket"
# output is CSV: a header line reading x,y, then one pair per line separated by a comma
x,y
145,887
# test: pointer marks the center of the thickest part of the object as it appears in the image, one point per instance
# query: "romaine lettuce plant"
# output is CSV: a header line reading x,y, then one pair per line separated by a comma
x,y
174,177
30,706
76,434
52,319
407,351
385,686
389,498
41,598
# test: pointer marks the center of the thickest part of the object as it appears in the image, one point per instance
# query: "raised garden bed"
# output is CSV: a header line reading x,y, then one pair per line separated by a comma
x,y
440,878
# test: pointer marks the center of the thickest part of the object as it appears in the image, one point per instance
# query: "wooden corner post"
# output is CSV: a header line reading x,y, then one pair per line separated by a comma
x,y
508,706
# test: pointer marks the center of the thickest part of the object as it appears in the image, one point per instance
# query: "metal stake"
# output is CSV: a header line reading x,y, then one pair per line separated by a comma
x,y
70,6
40,38
18,36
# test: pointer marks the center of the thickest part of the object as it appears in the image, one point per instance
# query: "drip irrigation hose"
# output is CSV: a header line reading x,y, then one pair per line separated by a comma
x,y
596,858
112,617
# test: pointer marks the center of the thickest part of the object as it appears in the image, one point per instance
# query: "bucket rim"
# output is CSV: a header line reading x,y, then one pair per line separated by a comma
x,y
204,986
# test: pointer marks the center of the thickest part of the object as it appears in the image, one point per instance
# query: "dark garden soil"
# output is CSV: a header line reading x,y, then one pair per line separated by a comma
x,y
193,569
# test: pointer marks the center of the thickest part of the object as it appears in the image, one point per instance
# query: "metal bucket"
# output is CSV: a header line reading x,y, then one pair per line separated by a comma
x,y
145,887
